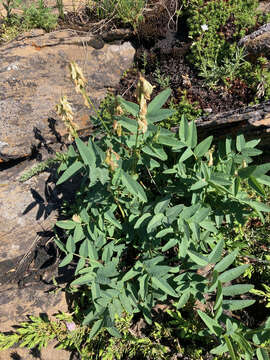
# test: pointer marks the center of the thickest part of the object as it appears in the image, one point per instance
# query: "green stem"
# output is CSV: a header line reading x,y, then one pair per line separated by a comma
x,y
95,110
134,155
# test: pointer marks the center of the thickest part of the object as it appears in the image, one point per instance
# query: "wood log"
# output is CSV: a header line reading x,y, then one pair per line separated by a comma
x,y
251,121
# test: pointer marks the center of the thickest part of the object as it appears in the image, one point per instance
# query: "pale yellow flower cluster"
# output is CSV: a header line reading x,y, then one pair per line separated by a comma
x,y
111,159
143,93
79,81
64,110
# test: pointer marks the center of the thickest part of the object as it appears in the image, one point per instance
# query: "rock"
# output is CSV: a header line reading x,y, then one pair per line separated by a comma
x,y
34,75
28,258
258,42
16,304
264,7
252,121
49,353
26,209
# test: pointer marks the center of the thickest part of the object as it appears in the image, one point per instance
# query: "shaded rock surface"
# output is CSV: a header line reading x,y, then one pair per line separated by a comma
x,y
252,121
34,75
26,209
258,42
28,257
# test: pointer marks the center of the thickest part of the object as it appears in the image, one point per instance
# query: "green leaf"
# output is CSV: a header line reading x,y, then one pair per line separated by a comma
x,y
92,251
143,281
202,148
246,172
70,246
84,248
262,354
159,115
258,206
200,215
155,222
219,350
198,185
235,186
226,262
216,253
158,101
192,135
219,296
261,170
80,265
183,300
87,152
212,324
183,129
130,275
164,232
142,219
72,170
198,258
234,305
60,245
66,224
133,186
171,243
113,331
171,141
251,152
67,259
240,142
78,233
129,124
109,215
256,186
130,107
156,151
238,289
125,301
232,274
162,205
252,143
264,179
208,225
230,347
95,328
173,212
84,279
164,286
186,154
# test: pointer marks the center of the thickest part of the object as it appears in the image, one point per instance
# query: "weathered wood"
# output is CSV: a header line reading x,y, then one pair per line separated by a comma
x,y
252,121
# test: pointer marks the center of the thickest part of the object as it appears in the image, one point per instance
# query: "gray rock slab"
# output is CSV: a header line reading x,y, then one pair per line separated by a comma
x,y
34,75
258,42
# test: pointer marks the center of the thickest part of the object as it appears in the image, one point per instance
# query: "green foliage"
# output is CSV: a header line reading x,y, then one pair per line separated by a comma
x,y
265,294
39,16
106,110
216,27
37,332
43,166
149,209
191,111
9,32
33,16
128,11
40,330
162,80
9,6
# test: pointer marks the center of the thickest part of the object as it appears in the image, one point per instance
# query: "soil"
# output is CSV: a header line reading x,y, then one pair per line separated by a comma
x,y
164,45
